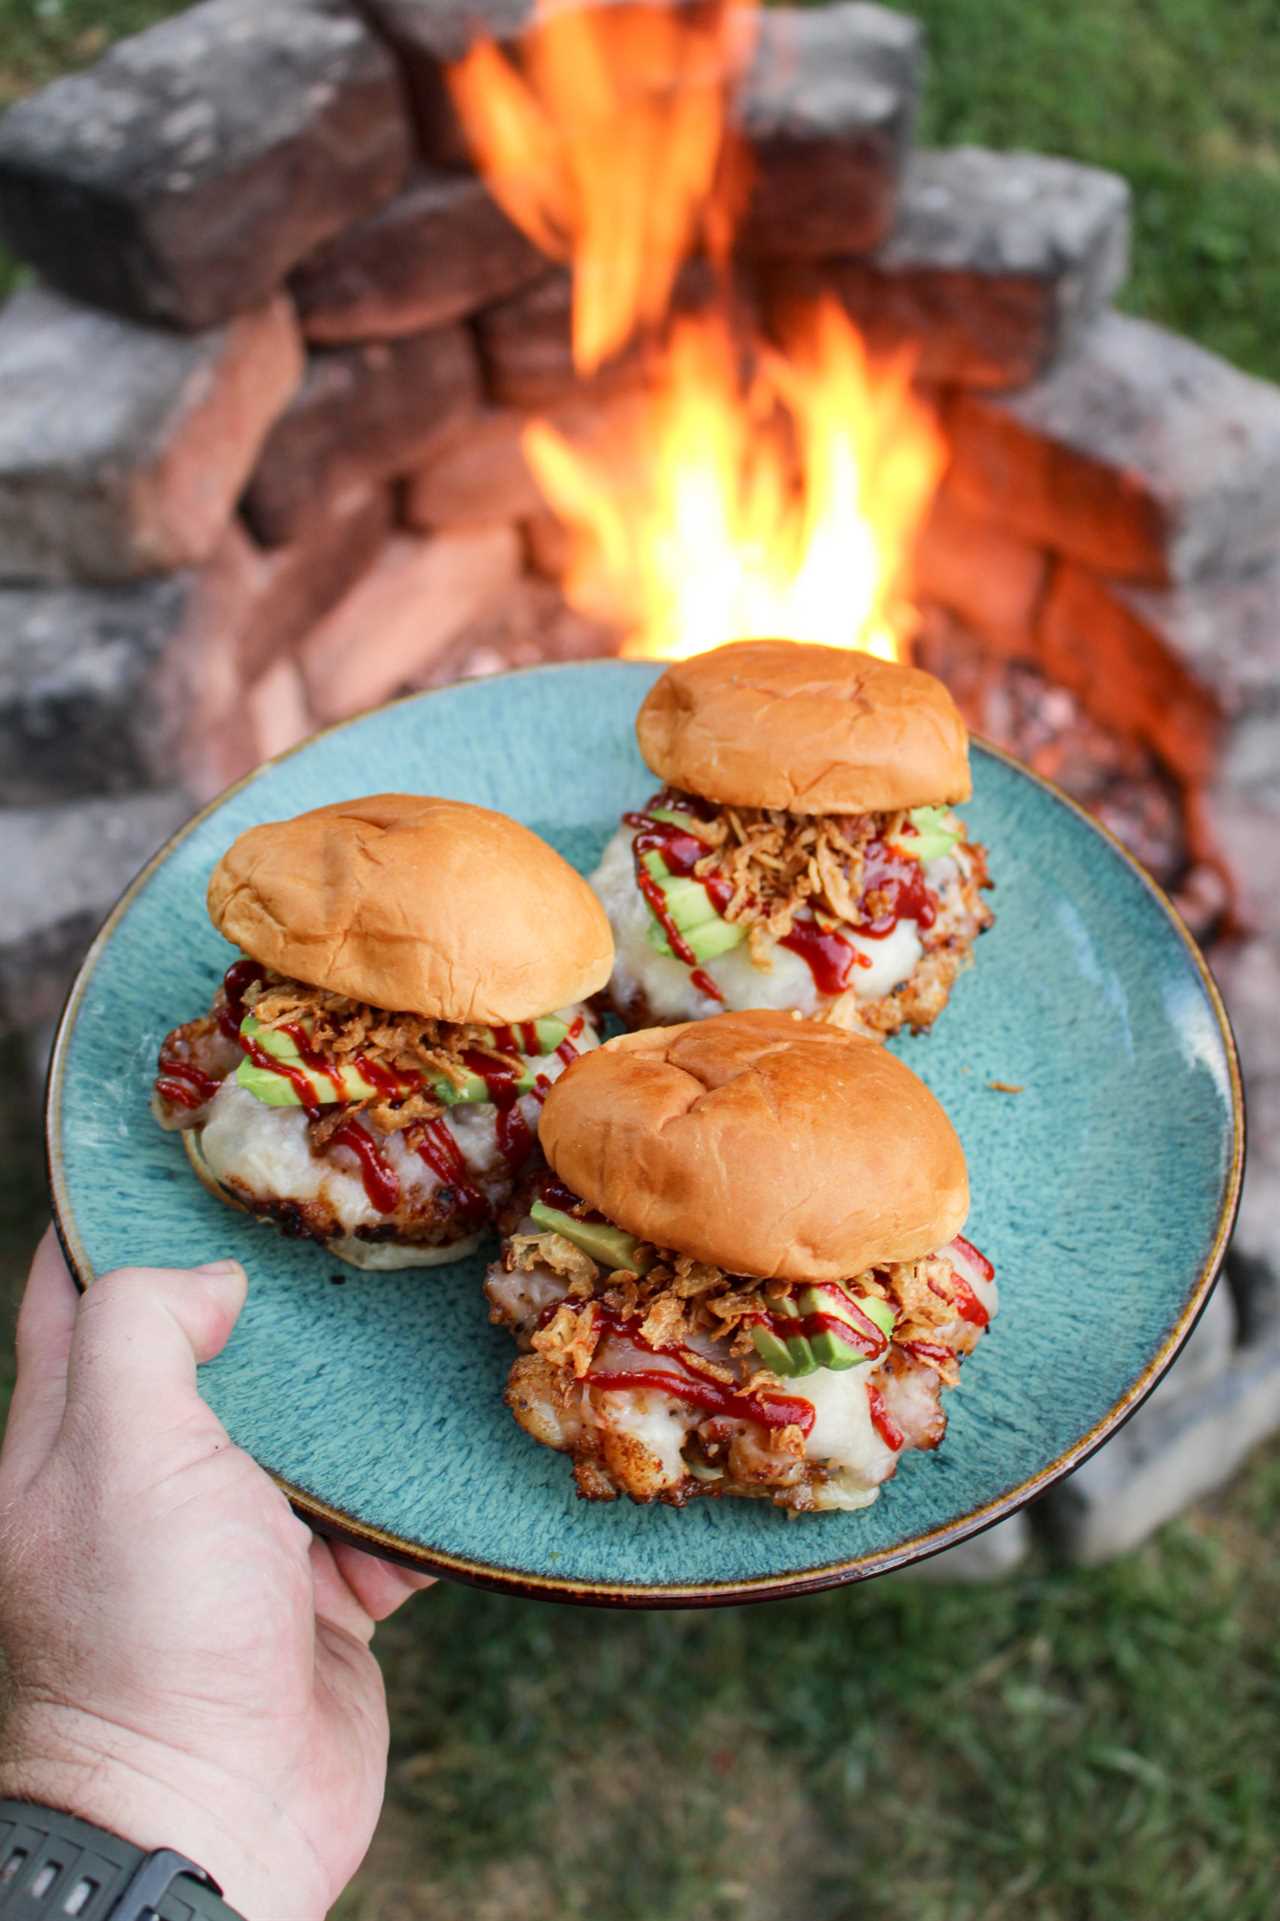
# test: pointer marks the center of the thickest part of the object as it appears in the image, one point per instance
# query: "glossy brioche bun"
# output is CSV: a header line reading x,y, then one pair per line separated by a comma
x,y
373,1256
815,730
417,906
763,1143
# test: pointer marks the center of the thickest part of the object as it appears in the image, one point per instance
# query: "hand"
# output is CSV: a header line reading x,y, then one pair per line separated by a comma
x,y
189,1666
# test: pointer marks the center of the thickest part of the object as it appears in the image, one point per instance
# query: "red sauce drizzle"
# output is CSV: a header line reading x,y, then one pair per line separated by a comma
x,y
520,1038
765,1410
312,1061
680,852
566,1050
930,1351
297,1079
705,985
863,1334
515,1137
554,1192
975,1254
829,956
236,982
183,1084
437,1147
882,1421
394,1082
900,876
381,1183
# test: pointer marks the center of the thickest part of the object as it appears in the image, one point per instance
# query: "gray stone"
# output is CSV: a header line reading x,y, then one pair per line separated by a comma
x,y
1248,972
1142,456
989,1556
1224,628
64,867
123,449
430,34
827,109
106,690
437,252
184,175
995,264
1178,1448
363,414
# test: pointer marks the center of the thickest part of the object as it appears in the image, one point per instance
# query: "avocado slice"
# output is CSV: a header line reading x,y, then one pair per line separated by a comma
x,y
609,1245
551,1030
933,838
795,1356
277,1090
704,942
831,1301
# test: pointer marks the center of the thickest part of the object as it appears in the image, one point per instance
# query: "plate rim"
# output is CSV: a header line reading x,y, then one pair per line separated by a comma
x,y
337,1522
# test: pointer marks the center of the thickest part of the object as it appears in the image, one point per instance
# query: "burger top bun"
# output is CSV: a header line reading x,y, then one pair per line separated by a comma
x,y
815,730
417,906
762,1143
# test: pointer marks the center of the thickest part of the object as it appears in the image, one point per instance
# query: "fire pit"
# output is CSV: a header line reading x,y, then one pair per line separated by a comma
x,y
307,409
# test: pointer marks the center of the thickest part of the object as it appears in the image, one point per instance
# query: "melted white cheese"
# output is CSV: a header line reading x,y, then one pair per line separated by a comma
x,y
786,982
266,1151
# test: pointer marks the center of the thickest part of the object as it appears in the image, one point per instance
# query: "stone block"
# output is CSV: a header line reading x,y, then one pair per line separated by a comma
x,y
106,690
183,176
1224,628
64,868
1248,972
474,475
991,579
383,635
288,589
1126,672
529,625
439,251
1142,456
362,415
123,449
428,35
996,264
827,109
1182,1445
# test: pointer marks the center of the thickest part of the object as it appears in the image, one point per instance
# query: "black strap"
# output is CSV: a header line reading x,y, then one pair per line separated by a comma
x,y
55,1867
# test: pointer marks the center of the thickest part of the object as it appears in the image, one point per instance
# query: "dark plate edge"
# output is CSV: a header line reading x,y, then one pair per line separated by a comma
x,y
339,1524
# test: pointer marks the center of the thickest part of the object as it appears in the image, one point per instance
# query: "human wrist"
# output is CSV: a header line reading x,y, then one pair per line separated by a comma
x,y
154,1796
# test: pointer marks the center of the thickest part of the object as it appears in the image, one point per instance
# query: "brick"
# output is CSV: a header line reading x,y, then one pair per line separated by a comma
x,y
1125,672
110,689
529,625
64,867
991,579
362,415
277,710
996,264
439,251
383,635
526,348
289,589
430,34
827,109
183,176
1142,456
123,449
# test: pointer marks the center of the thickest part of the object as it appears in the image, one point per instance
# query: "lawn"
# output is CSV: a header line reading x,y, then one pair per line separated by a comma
x,y
1058,1747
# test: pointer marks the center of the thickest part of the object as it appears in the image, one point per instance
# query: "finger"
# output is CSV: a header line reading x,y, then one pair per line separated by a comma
x,y
138,1337
379,1586
335,1603
46,1321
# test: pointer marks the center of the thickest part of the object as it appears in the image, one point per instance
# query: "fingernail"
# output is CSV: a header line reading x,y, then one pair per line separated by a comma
x,y
219,1267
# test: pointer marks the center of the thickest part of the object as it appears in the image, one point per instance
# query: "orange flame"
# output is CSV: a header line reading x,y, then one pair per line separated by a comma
x,y
608,145
781,504
773,493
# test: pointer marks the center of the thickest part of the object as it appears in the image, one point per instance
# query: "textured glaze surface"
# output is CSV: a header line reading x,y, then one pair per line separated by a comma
x,y
1101,1192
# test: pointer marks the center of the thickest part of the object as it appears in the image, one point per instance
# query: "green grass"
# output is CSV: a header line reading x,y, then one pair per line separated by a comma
x,y
1059,1747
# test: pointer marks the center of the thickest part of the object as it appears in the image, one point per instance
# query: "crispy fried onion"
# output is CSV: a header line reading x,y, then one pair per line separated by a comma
x,y
411,1045
778,862
678,1299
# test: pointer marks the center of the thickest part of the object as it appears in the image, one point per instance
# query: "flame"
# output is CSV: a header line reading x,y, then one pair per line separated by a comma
x,y
783,501
776,488
608,145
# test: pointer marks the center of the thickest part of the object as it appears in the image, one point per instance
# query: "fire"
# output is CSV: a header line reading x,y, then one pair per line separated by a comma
x,y
608,145
780,503
777,487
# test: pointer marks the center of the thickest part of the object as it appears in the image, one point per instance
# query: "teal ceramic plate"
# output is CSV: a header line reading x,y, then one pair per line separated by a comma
x,y
1104,1191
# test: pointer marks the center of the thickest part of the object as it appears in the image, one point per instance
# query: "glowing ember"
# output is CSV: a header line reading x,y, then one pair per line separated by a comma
x,y
608,146
775,490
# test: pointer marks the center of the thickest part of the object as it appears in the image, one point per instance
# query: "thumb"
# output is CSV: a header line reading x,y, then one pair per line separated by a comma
x,y
138,1336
